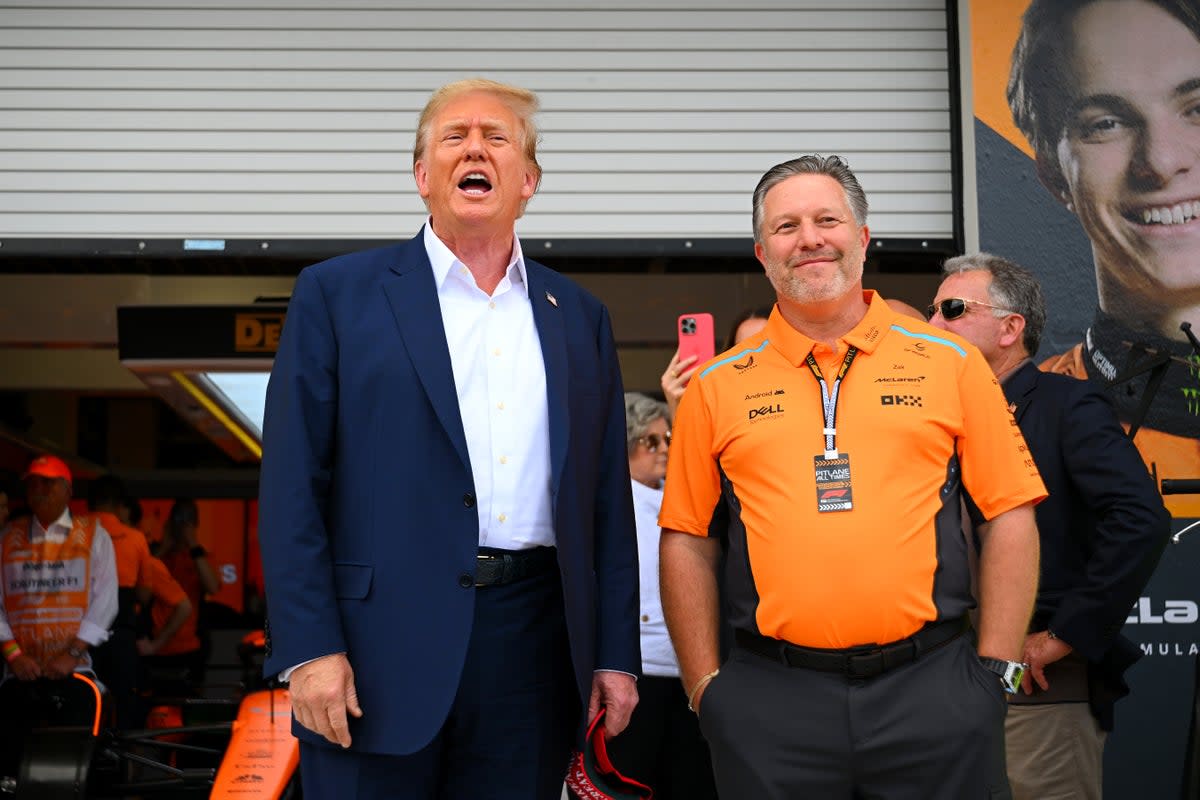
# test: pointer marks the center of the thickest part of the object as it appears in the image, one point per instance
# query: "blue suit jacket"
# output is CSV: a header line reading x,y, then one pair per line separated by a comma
x,y
367,521
1102,527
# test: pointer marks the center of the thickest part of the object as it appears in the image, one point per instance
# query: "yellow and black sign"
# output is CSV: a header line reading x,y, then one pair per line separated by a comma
x,y
257,332
174,333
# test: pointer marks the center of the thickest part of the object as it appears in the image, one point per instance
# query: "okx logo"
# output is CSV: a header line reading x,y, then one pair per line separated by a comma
x,y
900,400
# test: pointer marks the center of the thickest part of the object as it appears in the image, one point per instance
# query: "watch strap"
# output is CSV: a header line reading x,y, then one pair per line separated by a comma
x,y
1009,672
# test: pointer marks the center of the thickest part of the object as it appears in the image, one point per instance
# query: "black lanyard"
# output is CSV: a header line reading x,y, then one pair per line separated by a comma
x,y
829,398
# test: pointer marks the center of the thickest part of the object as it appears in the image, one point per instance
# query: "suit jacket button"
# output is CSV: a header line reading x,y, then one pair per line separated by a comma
x,y
469,500
466,581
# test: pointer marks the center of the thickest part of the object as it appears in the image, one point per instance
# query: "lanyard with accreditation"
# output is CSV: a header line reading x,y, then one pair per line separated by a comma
x,y
832,469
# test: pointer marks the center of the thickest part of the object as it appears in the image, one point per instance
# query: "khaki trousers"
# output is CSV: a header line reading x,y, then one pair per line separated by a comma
x,y
1055,752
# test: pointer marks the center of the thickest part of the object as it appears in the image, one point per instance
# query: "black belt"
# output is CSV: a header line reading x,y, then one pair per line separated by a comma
x,y
494,566
865,661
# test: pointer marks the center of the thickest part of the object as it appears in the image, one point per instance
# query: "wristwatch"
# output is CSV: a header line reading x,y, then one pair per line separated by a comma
x,y
1010,672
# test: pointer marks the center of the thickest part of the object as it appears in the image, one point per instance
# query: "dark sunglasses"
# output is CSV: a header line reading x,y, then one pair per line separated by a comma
x,y
653,441
955,307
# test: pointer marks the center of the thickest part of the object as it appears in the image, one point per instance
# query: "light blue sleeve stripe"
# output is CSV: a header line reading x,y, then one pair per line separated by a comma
x,y
734,357
935,339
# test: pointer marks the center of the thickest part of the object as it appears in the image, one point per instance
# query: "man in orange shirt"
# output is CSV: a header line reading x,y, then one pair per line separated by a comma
x,y
847,578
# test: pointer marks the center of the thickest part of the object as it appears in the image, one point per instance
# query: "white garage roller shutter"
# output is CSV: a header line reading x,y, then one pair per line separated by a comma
x,y
294,119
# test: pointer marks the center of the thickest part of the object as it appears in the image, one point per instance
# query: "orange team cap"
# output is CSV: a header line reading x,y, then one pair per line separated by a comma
x,y
48,467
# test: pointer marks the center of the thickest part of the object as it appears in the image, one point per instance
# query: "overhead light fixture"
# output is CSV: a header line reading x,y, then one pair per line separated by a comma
x,y
209,363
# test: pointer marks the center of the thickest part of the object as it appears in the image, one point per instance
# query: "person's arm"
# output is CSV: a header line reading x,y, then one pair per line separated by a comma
x,y
179,615
22,666
102,590
618,635
208,578
1008,577
688,585
675,379
294,487
1131,530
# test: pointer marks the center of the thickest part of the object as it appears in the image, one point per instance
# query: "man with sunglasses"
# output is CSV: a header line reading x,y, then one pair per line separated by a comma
x,y
828,453
1102,529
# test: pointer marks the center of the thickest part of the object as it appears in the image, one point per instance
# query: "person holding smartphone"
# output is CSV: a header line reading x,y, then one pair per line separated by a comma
x,y
684,364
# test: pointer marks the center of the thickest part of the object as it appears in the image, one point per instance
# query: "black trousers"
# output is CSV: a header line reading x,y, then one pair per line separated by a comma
x,y
118,666
510,730
932,729
662,747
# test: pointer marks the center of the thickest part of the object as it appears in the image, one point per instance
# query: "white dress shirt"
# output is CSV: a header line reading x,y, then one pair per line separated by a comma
x,y
658,656
500,378
102,590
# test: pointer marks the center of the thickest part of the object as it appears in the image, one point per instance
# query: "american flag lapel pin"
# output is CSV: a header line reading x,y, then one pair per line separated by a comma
x,y
553,300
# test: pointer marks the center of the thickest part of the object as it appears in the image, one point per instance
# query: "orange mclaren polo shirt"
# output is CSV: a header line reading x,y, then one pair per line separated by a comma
x,y
130,548
167,593
862,542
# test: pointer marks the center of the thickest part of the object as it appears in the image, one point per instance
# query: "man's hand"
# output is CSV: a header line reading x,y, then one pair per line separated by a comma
x,y
617,692
61,666
1041,650
322,692
25,668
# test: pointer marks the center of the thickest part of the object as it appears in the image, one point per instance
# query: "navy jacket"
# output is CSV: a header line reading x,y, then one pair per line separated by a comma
x,y
1102,527
368,528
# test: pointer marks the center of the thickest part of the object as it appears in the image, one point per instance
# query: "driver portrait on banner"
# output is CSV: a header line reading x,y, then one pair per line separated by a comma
x,y
1115,133
1087,167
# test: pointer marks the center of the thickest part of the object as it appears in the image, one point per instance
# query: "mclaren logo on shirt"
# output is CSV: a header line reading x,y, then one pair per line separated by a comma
x,y
901,379
901,400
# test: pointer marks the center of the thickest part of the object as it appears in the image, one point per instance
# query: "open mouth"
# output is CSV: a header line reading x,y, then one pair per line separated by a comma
x,y
475,183
1176,214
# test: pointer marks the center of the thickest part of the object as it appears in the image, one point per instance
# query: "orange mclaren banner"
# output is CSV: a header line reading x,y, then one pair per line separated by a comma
x,y
994,28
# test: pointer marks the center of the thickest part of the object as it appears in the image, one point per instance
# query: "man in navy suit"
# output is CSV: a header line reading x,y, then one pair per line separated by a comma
x,y
445,513
1102,530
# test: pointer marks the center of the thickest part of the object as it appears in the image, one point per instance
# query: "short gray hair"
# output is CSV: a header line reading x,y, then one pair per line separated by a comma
x,y
640,411
831,166
1012,287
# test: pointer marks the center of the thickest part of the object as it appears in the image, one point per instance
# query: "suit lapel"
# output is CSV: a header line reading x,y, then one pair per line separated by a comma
x,y
412,295
548,316
1019,389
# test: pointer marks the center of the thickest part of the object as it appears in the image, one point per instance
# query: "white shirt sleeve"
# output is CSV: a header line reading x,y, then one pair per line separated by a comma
x,y
102,594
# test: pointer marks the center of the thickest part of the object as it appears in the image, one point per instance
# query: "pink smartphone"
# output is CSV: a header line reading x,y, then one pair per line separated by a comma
x,y
696,337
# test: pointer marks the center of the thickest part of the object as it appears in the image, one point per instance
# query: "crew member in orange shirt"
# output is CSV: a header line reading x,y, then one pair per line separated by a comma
x,y
187,561
170,611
